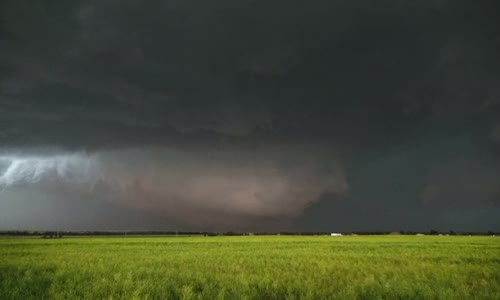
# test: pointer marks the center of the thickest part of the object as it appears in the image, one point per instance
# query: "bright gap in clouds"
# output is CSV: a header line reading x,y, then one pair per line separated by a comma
x,y
24,170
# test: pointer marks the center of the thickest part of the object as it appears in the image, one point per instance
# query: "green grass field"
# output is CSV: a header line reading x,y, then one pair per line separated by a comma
x,y
253,267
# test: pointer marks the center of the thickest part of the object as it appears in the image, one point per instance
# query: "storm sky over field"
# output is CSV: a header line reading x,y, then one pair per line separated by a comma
x,y
250,115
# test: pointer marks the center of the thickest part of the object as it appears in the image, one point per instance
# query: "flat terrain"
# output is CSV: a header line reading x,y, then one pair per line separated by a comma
x,y
255,267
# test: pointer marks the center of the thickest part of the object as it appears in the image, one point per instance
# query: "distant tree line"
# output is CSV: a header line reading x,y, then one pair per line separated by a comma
x,y
60,234
52,235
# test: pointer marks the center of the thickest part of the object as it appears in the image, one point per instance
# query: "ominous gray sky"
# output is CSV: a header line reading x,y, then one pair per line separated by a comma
x,y
250,115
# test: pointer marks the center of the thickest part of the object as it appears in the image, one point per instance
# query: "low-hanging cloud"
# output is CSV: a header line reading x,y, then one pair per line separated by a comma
x,y
189,186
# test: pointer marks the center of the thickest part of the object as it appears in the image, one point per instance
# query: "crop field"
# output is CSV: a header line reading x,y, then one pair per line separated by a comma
x,y
251,267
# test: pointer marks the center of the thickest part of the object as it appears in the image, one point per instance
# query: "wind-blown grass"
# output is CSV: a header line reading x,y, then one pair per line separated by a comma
x,y
254,267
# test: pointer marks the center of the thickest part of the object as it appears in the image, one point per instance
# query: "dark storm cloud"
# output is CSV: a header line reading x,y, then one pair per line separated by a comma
x,y
395,92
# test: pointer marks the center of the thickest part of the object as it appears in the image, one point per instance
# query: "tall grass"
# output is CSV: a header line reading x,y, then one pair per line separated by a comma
x,y
251,267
